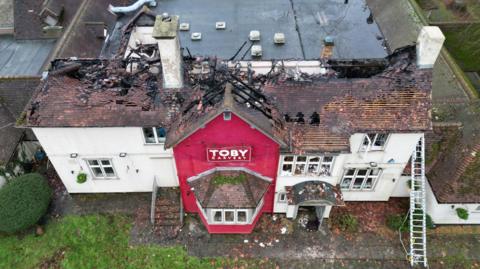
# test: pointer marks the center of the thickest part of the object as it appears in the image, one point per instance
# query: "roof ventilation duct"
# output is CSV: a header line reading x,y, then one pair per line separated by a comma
x,y
132,7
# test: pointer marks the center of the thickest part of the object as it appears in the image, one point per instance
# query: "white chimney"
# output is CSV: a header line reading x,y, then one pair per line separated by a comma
x,y
165,32
429,44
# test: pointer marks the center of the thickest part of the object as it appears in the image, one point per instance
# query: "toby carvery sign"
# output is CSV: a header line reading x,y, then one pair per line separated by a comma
x,y
229,154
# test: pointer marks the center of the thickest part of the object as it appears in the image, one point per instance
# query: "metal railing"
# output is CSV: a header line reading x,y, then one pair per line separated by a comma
x,y
154,199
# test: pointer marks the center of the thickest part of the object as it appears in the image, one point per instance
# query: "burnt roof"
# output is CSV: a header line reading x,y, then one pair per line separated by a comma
x,y
303,113
100,93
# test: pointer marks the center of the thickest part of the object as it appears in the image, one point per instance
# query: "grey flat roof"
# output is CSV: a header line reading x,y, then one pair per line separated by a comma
x,y
23,57
305,23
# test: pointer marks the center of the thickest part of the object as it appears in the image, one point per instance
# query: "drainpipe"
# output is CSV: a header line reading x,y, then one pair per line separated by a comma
x,y
132,7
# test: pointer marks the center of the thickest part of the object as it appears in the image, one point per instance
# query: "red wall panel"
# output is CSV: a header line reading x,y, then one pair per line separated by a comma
x,y
191,159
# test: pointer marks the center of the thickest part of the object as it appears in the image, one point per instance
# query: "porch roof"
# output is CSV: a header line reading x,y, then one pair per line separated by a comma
x,y
237,188
314,191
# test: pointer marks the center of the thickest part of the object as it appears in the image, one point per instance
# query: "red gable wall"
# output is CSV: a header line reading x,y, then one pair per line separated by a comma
x,y
191,159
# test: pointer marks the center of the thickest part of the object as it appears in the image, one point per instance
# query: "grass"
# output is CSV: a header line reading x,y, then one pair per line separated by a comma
x,y
99,241
464,46
233,180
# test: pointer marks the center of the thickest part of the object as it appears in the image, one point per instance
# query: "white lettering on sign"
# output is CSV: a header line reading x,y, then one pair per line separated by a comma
x,y
229,154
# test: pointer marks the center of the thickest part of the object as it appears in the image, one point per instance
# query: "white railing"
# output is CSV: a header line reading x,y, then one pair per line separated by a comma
x,y
154,199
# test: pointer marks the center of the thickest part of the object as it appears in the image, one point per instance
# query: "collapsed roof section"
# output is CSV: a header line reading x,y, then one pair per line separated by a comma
x,y
302,112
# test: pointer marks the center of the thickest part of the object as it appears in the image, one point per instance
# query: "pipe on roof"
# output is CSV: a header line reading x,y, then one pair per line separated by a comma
x,y
131,7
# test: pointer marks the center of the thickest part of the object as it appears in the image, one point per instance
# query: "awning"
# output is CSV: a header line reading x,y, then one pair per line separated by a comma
x,y
229,188
314,192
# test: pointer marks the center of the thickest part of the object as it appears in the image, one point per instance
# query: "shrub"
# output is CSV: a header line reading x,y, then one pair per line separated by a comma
x,y
396,222
462,213
346,223
24,200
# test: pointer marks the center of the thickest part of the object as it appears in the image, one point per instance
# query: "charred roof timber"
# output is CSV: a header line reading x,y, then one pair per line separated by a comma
x,y
295,108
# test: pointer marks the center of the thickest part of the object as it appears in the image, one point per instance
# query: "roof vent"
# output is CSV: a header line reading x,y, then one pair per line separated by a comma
x,y
254,35
256,50
196,36
328,40
220,25
184,26
279,38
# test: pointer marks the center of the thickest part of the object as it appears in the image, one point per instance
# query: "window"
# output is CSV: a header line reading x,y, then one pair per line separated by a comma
x,y
227,115
282,197
154,135
241,216
306,165
102,168
374,142
217,216
359,179
230,216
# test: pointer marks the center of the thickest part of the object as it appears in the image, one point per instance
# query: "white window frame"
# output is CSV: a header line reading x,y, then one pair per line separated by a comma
x,y
225,216
371,139
102,168
213,216
321,163
235,216
280,194
368,175
158,141
246,216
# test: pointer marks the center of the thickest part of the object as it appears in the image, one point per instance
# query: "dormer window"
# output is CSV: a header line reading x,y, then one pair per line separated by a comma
x,y
154,135
374,141
227,115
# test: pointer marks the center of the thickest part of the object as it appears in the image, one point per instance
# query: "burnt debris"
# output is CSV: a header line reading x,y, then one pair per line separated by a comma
x,y
308,112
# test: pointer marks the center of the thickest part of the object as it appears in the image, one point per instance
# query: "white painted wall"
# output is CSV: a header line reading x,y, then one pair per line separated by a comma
x,y
392,159
446,213
135,172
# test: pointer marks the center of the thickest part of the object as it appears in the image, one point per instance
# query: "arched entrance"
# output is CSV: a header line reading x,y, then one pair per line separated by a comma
x,y
316,194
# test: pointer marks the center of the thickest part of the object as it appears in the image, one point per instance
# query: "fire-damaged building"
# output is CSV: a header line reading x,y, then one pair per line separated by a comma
x,y
279,125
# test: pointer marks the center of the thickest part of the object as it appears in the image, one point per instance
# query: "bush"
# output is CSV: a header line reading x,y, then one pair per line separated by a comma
x,y
396,222
346,223
462,213
24,200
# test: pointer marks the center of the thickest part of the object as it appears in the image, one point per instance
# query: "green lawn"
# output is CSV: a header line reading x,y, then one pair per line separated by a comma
x,y
464,45
100,242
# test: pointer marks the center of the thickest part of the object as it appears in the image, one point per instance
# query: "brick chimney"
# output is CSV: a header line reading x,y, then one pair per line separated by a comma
x,y
165,32
429,44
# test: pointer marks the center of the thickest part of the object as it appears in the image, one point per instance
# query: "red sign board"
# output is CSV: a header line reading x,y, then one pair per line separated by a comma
x,y
229,154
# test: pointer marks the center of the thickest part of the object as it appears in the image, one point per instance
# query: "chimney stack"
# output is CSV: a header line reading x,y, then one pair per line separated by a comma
x,y
429,44
165,32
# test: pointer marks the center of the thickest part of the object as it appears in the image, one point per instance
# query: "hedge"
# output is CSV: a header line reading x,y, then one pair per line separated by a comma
x,y
24,200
